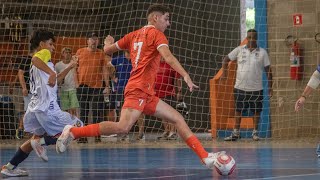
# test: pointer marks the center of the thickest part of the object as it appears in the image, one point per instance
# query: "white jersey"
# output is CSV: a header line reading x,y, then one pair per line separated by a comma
x,y
44,114
250,67
43,97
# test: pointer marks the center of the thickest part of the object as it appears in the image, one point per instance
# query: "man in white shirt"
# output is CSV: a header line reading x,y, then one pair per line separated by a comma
x,y
248,91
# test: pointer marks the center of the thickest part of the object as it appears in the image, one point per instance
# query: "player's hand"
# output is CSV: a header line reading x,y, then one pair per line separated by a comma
x,y
52,79
108,40
25,92
190,84
299,104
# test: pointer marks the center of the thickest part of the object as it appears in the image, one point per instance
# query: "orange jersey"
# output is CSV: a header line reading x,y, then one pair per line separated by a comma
x,y
90,69
145,58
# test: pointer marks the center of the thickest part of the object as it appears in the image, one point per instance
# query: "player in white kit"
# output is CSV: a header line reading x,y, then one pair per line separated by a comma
x,y
44,118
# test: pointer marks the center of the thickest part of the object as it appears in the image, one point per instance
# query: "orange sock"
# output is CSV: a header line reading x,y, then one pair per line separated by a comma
x,y
91,130
194,143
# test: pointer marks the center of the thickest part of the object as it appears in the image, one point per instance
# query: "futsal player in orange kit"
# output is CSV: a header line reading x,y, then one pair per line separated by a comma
x,y
146,46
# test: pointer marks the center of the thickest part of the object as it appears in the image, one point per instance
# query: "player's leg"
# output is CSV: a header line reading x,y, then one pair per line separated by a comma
x,y
165,111
255,105
140,122
172,135
127,119
165,133
240,105
11,168
32,125
172,132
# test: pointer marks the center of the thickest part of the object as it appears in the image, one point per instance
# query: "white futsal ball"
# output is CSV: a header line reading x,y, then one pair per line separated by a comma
x,y
225,164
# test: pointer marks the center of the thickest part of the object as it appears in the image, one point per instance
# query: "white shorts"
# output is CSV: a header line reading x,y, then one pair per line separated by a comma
x,y
50,122
26,101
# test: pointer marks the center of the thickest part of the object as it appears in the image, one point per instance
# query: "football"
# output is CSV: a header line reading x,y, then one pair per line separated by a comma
x,y
225,164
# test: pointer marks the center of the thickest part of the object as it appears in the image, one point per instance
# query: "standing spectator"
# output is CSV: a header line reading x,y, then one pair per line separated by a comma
x,y
248,92
123,68
68,92
93,80
168,88
23,76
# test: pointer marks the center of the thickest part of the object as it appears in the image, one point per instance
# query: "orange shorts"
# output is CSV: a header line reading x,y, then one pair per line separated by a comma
x,y
141,101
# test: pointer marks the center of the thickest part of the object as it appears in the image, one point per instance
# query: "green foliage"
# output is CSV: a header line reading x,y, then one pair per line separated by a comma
x,y
250,21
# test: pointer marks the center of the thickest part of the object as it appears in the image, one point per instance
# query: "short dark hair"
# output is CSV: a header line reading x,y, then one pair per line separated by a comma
x,y
252,30
158,8
38,36
92,34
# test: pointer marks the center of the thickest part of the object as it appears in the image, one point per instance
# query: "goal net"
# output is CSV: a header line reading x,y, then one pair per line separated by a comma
x,y
201,34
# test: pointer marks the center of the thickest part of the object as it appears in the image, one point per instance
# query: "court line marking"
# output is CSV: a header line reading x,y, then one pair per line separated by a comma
x,y
122,172
158,177
165,177
276,177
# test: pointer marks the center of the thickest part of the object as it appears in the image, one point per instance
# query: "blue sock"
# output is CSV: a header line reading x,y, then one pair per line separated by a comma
x,y
18,157
49,140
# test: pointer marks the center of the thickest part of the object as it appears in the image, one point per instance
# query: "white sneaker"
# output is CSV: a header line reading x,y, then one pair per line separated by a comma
x,y
211,159
13,172
41,151
64,140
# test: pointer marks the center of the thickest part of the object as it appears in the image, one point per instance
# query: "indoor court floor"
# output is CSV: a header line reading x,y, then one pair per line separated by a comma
x,y
173,160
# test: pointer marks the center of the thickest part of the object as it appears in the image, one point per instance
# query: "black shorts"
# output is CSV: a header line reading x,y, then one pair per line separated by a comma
x,y
245,100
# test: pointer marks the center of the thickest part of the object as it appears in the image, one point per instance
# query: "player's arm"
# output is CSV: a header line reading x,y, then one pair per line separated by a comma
x,y
232,56
174,63
225,62
22,82
311,86
37,62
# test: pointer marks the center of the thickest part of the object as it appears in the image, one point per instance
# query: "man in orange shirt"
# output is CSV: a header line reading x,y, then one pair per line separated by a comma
x,y
93,80
146,46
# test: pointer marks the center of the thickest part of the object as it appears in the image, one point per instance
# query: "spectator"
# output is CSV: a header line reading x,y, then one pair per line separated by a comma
x,y
68,92
168,88
248,92
93,80
23,76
